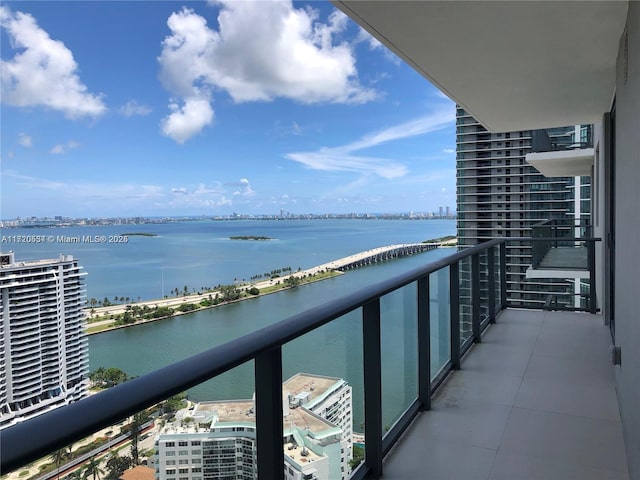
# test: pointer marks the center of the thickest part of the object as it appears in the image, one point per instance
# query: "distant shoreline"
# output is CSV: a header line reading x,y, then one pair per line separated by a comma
x,y
111,221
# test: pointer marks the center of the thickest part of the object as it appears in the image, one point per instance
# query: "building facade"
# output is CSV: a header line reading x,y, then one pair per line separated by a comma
x,y
499,194
217,440
44,359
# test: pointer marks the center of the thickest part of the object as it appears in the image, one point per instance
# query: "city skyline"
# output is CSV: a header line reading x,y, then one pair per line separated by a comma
x,y
176,112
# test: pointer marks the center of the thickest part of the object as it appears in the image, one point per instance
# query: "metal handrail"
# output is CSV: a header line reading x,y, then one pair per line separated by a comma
x,y
39,436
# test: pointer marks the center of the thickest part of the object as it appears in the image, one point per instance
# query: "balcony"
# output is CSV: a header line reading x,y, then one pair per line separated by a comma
x,y
536,399
564,249
561,158
487,391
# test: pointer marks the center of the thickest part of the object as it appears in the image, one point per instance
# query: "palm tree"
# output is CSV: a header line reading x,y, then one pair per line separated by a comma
x,y
92,470
58,457
136,424
116,465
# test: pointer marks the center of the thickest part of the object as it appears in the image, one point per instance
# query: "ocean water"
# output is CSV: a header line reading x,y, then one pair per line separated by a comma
x,y
200,254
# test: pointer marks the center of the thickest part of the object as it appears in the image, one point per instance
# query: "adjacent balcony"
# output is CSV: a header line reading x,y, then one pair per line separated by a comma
x,y
564,157
448,381
565,249
559,244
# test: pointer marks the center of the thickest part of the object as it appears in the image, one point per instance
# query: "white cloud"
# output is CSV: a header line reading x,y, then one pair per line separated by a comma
x,y
200,196
64,147
289,54
33,182
296,129
246,190
335,159
449,150
43,73
242,188
375,44
443,95
25,140
210,196
132,108
88,191
187,120
342,158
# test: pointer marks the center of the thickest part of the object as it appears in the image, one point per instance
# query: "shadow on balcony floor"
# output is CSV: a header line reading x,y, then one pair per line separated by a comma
x,y
535,400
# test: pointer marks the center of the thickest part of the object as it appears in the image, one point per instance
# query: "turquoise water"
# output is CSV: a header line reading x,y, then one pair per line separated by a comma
x,y
200,254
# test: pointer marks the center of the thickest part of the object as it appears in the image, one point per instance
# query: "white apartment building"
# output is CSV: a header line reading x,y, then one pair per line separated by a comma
x,y
217,440
44,357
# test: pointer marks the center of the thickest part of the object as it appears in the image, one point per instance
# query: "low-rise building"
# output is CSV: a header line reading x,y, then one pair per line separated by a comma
x,y
217,440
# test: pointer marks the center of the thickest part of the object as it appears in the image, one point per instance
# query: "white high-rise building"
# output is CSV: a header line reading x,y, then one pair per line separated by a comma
x,y
44,357
217,440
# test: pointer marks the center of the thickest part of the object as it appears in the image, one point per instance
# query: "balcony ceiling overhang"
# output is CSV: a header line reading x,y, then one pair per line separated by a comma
x,y
514,65
565,163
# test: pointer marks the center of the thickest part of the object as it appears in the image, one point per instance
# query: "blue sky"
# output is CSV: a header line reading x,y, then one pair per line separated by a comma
x,y
207,108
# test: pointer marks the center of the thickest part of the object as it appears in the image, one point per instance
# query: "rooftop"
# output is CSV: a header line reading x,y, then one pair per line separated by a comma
x,y
8,261
139,473
315,385
242,411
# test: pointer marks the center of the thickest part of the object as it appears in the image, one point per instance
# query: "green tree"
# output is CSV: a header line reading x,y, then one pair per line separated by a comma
x,y
187,307
175,403
229,293
92,470
59,457
97,375
136,424
292,281
358,457
116,465
108,377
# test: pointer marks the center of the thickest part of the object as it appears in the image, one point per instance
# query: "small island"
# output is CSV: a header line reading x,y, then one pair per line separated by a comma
x,y
250,237
446,240
139,234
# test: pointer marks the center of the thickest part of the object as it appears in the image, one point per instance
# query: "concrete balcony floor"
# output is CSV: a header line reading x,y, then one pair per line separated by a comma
x,y
535,400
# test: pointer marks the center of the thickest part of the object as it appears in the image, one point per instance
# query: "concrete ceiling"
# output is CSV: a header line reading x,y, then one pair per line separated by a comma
x,y
514,65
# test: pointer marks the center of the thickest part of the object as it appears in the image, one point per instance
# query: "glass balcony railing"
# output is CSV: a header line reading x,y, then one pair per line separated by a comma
x,y
541,141
559,244
562,273
338,383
